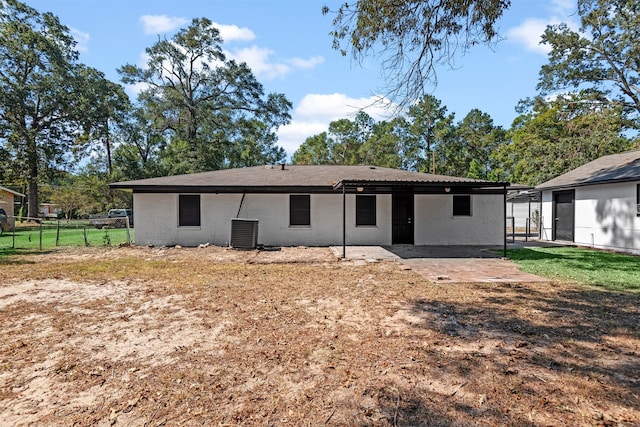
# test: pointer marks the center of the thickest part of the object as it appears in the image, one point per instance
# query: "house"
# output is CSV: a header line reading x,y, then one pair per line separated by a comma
x,y
319,206
7,202
597,204
50,211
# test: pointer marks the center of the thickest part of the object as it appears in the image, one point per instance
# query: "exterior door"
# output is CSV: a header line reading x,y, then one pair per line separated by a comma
x,y
402,218
563,215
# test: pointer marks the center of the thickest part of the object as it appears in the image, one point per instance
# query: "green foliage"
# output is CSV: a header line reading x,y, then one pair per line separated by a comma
x,y
200,110
352,142
426,140
45,95
555,137
470,146
413,36
598,268
602,55
429,128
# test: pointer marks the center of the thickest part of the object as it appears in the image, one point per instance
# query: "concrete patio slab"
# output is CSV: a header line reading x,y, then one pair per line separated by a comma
x,y
445,264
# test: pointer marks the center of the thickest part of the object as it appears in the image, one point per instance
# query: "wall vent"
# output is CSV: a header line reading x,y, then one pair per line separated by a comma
x,y
244,233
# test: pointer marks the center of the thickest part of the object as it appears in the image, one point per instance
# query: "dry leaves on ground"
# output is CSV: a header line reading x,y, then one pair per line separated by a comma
x,y
149,337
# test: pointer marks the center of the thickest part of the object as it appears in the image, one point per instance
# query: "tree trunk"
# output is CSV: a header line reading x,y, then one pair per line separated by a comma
x,y
32,213
109,164
32,180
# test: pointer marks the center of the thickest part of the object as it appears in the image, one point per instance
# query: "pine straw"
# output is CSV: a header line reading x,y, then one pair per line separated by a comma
x,y
148,337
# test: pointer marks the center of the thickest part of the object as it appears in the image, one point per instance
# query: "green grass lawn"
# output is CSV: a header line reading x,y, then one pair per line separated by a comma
x,y
51,235
586,266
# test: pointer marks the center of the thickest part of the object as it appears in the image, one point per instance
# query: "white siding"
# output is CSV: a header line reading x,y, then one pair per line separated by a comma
x,y
546,233
436,225
605,217
521,211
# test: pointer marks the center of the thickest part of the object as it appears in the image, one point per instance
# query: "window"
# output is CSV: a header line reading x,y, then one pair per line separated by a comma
x,y
462,205
365,210
299,210
637,199
189,210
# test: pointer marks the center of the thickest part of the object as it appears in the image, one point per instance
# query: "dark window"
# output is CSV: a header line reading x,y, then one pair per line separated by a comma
x,y
299,210
189,210
365,210
637,199
462,205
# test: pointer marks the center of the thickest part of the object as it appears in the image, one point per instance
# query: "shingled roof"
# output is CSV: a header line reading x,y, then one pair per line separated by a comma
x,y
287,178
607,169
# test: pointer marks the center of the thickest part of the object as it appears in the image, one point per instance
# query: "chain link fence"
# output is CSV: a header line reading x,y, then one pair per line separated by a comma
x,y
40,234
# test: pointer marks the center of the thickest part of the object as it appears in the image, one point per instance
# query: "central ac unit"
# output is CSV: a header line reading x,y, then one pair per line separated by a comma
x,y
244,233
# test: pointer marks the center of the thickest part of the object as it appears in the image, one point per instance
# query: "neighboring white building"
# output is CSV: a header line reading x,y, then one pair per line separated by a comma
x,y
319,206
597,204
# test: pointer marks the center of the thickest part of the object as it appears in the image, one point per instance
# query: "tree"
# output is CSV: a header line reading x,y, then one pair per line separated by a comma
x,y
428,126
352,142
413,36
208,108
104,102
554,137
43,104
476,139
315,150
603,55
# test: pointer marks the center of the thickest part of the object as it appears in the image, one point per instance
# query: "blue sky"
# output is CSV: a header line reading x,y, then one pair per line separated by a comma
x,y
286,44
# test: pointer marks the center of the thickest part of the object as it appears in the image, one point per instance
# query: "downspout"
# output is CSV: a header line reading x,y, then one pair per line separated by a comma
x,y
504,216
241,203
344,221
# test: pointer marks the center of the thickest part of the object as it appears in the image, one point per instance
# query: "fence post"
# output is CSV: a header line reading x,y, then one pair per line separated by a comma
x,y
84,233
128,235
41,234
58,233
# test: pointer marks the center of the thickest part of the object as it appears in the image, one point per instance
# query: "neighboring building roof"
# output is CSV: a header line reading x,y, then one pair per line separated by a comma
x,y
290,178
607,169
8,190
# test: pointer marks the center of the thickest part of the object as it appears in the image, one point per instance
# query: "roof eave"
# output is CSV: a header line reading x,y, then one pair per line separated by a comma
x,y
542,187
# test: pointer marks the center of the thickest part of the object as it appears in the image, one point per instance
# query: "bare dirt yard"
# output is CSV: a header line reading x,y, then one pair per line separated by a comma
x,y
212,336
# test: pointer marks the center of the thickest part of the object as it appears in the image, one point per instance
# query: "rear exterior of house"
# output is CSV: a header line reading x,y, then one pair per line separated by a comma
x,y
596,205
318,206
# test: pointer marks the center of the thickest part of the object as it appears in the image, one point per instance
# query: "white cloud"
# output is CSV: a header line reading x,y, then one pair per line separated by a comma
x,y
315,111
133,90
335,106
529,32
259,60
81,38
564,7
234,33
306,63
158,24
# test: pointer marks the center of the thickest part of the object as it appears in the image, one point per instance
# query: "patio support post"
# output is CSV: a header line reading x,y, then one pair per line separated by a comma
x,y
344,222
504,229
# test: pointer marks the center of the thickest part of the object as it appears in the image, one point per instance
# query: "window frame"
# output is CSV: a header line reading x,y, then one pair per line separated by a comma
x,y
637,200
466,206
299,215
185,210
366,216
